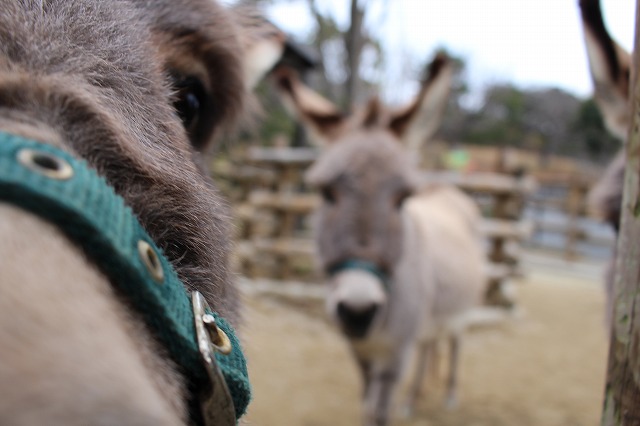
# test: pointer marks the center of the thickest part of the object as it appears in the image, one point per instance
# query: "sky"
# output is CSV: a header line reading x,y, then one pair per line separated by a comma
x,y
531,43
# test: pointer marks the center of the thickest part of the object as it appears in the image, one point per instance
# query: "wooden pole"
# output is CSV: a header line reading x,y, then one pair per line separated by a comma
x,y
622,393
574,203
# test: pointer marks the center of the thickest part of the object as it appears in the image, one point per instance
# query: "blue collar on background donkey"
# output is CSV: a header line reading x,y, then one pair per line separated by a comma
x,y
362,265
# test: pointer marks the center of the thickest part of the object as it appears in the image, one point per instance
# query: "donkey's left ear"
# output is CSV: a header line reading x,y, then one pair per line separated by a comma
x,y
418,121
320,116
262,42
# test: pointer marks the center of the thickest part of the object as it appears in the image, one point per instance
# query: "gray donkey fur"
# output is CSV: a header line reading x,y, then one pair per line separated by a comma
x,y
100,79
424,240
610,68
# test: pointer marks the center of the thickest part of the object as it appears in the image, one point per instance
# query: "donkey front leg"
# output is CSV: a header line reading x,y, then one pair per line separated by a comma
x,y
365,371
425,360
452,381
381,384
379,394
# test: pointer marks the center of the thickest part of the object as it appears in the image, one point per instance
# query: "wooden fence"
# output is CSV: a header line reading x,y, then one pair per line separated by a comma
x,y
557,209
562,220
273,209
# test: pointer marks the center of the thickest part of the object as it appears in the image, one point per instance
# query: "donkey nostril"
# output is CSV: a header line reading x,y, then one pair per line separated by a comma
x,y
356,321
363,241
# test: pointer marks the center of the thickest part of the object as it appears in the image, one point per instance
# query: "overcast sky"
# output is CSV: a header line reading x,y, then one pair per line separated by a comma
x,y
531,43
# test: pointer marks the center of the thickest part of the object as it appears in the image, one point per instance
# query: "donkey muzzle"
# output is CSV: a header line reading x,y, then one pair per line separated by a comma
x,y
356,300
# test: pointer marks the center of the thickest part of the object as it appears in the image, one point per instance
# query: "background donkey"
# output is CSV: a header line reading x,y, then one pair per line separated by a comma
x,y
610,67
100,79
404,264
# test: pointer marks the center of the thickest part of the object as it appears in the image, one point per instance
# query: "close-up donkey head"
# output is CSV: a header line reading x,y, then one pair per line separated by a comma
x,y
138,90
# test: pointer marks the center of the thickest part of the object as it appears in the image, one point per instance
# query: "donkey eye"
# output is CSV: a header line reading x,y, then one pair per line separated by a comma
x,y
401,197
190,102
328,194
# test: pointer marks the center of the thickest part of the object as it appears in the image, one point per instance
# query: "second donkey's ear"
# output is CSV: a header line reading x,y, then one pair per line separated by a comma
x,y
320,116
262,43
419,120
610,67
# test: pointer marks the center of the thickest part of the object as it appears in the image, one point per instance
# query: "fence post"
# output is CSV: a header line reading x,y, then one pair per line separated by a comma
x,y
622,393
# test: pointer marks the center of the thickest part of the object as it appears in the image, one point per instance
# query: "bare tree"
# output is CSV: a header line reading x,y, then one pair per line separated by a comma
x,y
341,50
355,40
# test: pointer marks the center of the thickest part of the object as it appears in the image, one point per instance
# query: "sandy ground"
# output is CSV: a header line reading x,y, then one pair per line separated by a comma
x,y
544,368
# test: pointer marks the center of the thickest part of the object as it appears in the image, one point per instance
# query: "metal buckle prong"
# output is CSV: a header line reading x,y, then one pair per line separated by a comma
x,y
219,338
216,403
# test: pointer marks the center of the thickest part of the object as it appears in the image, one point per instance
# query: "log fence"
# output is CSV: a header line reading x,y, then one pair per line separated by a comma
x,y
274,211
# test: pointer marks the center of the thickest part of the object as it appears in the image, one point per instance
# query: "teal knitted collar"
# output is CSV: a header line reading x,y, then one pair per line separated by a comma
x,y
362,265
65,191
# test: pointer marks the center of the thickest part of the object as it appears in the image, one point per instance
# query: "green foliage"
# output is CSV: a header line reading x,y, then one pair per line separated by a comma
x,y
590,128
501,120
550,121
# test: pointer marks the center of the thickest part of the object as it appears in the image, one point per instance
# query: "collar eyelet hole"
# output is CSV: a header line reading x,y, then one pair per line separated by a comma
x,y
46,164
151,261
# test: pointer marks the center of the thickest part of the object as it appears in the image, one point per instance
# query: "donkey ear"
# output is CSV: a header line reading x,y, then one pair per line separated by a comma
x,y
263,43
320,116
610,67
418,121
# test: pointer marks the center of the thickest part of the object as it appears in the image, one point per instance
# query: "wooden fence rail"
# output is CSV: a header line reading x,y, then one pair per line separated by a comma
x,y
557,209
274,209
566,195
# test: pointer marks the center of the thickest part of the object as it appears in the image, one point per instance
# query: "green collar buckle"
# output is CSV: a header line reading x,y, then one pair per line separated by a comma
x,y
65,191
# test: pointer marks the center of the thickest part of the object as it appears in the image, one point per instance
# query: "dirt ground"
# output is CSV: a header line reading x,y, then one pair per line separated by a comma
x,y
544,368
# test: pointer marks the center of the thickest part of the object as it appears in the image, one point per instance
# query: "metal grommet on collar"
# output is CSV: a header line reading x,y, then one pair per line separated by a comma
x,y
151,261
45,163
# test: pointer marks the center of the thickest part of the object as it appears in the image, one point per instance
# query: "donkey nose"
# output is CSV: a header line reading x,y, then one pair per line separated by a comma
x,y
356,321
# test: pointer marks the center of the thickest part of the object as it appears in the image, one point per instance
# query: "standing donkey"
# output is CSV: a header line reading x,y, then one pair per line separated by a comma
x,y
404,264
137,90
610,67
